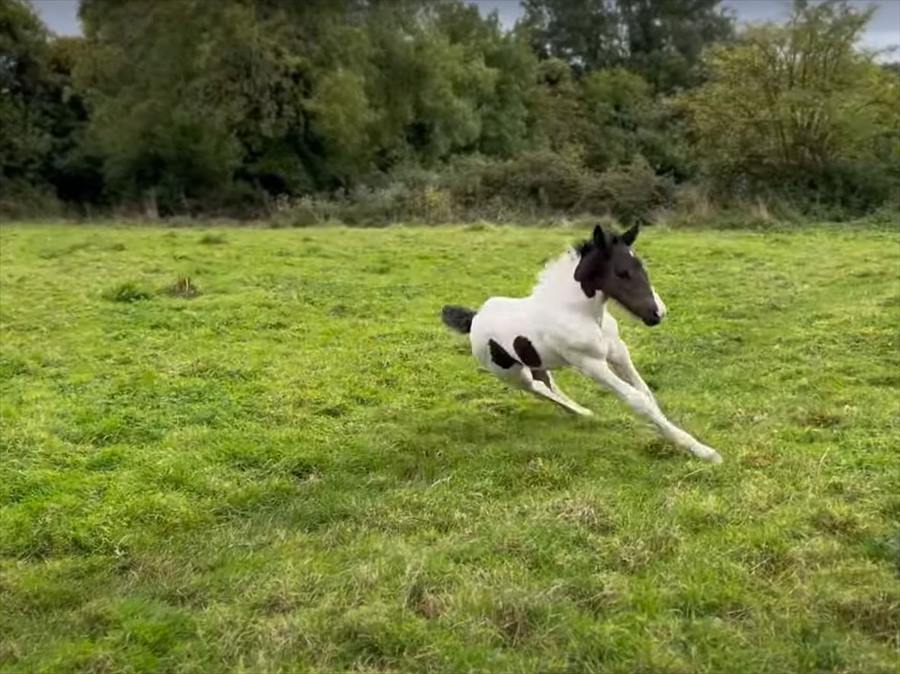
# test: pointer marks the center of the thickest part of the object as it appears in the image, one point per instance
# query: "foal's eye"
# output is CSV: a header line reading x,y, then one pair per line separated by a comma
x,y
623,273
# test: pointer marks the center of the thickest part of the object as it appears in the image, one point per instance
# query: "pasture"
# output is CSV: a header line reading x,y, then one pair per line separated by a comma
x,y
288,464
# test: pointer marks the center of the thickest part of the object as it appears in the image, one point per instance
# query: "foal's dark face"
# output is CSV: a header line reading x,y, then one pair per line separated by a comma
x,y
608,265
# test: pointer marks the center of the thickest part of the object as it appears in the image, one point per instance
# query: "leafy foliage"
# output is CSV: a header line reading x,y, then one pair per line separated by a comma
x,y
238,107
659,39
41,116
798,103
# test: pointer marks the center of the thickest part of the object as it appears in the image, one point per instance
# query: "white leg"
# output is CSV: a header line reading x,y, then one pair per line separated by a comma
x,y
526,380
546,378
599,371
620,360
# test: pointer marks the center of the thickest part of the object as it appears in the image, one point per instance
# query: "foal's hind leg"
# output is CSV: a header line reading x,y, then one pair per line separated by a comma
x,y
522,377
546,378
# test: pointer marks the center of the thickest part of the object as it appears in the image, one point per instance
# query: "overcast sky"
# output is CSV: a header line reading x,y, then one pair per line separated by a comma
x,y
883,31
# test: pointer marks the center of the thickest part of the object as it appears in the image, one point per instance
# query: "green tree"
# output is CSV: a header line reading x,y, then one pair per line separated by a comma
x,y
505,97
42,118
26,91
659,39
147,78
560,119
800,103
582,33
619,105
74,169
294,97
446,80
665,38
627,121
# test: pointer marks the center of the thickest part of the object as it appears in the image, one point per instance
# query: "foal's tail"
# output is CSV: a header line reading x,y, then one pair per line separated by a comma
x,y
457,318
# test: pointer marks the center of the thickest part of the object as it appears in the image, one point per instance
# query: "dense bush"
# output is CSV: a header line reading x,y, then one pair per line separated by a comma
x,y
533,186
632,193
546,183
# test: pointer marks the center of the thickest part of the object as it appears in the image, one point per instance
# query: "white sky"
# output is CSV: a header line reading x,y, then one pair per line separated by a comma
x,y
61,16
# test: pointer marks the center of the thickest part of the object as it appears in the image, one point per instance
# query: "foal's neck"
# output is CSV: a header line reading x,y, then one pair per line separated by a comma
x,y
557,286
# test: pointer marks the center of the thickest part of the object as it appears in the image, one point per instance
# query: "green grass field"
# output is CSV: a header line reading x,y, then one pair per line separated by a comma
x,y
299,469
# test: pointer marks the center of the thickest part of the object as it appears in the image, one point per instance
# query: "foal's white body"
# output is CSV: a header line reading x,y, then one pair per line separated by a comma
x,y
569,329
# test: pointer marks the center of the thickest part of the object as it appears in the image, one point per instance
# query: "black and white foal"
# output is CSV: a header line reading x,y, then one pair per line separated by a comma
x,y
565,322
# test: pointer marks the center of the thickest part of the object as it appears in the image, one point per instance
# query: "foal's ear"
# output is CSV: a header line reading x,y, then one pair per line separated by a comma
x,y
600,239
629,237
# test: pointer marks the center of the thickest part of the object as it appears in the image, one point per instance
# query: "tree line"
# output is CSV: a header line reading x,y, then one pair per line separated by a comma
x,y
373,109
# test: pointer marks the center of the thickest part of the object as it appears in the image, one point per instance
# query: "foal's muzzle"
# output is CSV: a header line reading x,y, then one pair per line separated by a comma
x,y
653,319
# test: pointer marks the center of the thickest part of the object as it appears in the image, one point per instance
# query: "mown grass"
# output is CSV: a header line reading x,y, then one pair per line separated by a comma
x,y
300,470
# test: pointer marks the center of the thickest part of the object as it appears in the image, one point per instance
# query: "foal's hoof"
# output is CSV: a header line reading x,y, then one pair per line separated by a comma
x,y
706,453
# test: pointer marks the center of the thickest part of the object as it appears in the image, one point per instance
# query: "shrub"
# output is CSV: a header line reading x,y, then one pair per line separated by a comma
x,y
544,181
19,200
126,292
379,206
304,211
631,193
431,204
184,288
212,239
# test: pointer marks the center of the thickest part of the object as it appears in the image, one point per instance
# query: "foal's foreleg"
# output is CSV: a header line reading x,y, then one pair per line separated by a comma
x,y
599,371
621,363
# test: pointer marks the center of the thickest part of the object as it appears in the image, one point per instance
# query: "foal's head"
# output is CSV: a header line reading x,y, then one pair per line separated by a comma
x,y
608,265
